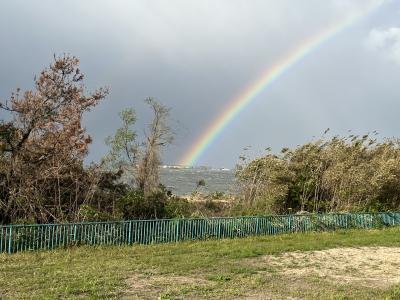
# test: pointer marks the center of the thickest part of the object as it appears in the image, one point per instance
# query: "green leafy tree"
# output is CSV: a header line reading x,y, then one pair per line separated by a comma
x,y
123,146
140,161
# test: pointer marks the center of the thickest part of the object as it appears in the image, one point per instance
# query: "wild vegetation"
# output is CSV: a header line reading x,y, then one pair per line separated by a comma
x,y
340,174
43,146
304,266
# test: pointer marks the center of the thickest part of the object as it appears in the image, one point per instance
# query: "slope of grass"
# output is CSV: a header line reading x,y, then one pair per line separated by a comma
x,y
205,269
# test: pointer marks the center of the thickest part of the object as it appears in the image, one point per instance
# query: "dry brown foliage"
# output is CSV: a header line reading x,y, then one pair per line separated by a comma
x,y
43,145
354,173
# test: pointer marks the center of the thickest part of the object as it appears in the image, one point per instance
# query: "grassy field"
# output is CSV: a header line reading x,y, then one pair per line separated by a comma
x,y
359,265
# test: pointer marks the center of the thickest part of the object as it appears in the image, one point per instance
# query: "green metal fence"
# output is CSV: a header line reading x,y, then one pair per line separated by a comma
x,y
15,238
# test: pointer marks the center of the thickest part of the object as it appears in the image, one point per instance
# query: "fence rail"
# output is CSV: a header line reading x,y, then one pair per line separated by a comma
x,y
16,238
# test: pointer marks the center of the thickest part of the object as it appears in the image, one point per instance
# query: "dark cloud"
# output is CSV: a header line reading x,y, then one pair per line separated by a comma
x,y
196,56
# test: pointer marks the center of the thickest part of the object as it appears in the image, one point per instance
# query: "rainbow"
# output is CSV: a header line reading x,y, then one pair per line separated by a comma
x,y
267,78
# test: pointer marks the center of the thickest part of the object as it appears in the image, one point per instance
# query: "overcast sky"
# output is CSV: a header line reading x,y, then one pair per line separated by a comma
x,y
196,56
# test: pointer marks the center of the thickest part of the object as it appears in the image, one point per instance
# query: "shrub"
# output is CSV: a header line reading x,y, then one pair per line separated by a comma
x,y
134,205
88,213
217,195
176,207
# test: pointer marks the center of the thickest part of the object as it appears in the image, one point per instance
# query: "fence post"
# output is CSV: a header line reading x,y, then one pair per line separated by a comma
x,y
10,240
257,225
177,231
130,233
75,233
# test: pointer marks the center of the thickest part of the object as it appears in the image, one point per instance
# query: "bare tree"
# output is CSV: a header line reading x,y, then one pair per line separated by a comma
x,y
158,136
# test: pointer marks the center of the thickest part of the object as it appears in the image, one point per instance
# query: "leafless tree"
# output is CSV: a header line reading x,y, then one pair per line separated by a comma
x,y
158,136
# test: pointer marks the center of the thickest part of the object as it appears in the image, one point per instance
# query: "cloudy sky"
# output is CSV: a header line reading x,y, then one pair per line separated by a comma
x,y
196,56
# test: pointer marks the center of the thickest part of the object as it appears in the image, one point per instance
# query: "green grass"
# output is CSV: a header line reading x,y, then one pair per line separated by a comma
x,y
204,269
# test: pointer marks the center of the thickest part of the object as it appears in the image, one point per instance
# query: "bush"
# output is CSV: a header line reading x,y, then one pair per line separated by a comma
x,y
88,213
211,205
134,205
176,207
217,195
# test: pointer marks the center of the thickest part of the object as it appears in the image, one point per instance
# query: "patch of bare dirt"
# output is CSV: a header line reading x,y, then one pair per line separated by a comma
x,y
366,266
150,286
360,268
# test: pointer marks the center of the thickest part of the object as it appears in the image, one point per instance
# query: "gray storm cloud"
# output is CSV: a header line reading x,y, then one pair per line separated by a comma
x,y
196,56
